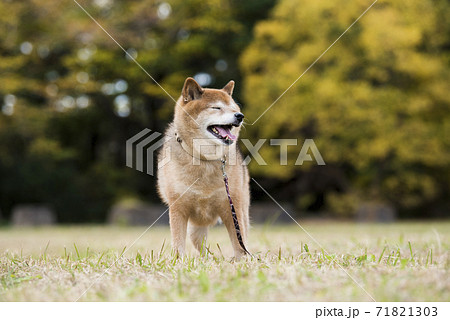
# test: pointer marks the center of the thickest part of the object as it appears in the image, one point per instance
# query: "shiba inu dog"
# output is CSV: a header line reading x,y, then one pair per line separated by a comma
x,y
204,130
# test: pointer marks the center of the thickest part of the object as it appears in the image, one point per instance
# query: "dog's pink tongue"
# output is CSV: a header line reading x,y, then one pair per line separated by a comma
x,y
225,132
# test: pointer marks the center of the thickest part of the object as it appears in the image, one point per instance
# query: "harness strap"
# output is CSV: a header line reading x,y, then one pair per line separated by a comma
x,y
233,211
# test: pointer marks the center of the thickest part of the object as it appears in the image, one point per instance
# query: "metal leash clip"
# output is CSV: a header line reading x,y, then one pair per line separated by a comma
x,y
224,161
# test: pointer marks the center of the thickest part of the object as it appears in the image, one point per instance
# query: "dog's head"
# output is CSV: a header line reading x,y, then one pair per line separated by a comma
x,y
209,114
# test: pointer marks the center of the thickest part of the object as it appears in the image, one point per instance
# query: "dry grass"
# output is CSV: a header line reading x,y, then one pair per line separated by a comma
x,y
393,262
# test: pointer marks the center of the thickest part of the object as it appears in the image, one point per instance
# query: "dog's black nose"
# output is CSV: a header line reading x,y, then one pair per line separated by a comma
x,y
239,116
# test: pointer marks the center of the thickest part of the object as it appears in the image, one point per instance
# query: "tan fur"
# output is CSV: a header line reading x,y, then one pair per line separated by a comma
x,y
206,200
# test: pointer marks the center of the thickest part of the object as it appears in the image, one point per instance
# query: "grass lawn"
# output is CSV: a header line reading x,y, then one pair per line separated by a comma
x,y
392,262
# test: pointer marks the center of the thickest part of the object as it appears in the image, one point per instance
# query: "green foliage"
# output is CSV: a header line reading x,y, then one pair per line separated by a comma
x,y
62,128
376,103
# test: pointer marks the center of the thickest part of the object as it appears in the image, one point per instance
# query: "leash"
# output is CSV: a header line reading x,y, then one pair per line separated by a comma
x,y
233,211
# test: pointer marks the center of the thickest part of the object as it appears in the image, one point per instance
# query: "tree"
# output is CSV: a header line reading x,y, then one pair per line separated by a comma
x,y
376,103
72,97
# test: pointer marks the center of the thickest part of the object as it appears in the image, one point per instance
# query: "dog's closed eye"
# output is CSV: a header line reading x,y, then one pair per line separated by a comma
x,y
217,108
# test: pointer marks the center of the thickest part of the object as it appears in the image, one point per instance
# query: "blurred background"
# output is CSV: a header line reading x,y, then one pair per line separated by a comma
x,y
377,104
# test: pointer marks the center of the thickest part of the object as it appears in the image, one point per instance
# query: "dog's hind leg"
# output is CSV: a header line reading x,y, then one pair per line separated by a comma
x,y
198,235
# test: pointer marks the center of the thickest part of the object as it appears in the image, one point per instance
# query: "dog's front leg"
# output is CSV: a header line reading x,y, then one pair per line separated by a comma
x,y
178,226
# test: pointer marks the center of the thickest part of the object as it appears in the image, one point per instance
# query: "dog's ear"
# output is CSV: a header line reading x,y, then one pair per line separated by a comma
x,y
191,90
229,87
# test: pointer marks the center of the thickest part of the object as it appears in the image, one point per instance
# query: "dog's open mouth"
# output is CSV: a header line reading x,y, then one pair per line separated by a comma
x,y
222,132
